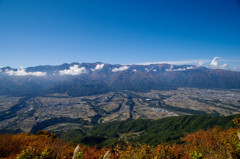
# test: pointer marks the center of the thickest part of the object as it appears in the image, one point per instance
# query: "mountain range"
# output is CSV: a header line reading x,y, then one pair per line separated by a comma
x,y
79,79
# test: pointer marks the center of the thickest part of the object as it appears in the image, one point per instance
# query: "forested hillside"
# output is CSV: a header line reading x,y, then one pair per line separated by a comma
x,y
152,132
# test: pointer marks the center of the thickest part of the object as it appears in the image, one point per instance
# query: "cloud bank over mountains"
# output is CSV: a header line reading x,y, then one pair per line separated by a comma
x,y
73,70
22,72
181,69
214,63
184,62
123,68
98,67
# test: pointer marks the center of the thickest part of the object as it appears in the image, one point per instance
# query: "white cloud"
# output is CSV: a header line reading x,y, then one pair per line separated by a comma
x,y
224,65
200,63
214,62
178,69
98,67
181,69
73,70
123,68
22,72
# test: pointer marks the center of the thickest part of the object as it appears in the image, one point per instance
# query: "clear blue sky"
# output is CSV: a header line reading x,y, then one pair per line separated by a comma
x,y
39,32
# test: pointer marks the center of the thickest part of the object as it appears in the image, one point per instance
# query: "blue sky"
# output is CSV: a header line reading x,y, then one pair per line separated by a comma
x,y
40,32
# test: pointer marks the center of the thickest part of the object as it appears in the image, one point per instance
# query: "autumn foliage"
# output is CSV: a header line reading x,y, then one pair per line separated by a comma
x,y
213,143
12,145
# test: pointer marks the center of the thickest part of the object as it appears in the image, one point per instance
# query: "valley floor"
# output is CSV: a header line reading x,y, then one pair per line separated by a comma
x,y
59,112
